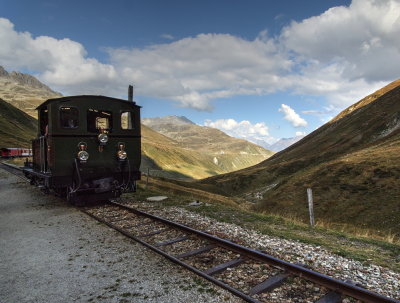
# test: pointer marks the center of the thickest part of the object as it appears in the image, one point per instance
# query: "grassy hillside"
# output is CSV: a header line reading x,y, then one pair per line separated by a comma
x,y
352,164
16,127
160,152
217,151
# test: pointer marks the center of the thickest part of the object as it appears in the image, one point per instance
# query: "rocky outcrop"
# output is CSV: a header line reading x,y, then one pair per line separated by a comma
x,y
24,91
26,79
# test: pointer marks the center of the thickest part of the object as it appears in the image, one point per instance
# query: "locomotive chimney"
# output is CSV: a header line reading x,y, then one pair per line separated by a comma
x,y
130,93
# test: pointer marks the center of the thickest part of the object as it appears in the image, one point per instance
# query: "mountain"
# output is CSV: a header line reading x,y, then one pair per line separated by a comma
x,y
226,152
172,126
16,127
24,91
166,157
351,163
284,143
166,121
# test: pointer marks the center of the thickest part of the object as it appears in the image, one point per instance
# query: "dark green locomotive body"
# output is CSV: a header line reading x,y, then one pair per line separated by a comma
x,y
88,147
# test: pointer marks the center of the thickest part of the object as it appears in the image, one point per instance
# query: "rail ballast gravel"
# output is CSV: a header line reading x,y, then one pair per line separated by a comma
x,y
336,288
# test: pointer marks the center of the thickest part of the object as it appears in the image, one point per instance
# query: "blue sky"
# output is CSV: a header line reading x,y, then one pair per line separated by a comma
x,y
260,70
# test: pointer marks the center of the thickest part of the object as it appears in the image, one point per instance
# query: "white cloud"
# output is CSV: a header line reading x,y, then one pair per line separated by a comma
x,y
291,116
364,39
300,134
195,70
346,52
325,114
60,63
343,54
167,36
257,133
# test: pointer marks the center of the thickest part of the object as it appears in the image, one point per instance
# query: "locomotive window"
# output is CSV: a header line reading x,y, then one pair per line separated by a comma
x,y
98,120
126,120
69,117
43,121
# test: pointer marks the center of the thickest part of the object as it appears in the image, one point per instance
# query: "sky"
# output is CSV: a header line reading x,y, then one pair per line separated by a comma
x,y
257,69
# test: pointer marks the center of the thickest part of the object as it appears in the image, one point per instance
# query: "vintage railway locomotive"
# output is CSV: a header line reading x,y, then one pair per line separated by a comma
x,y
87,148
13,152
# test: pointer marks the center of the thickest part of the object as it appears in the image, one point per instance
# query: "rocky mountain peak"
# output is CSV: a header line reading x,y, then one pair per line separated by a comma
x,y
24,91
26,79
175,120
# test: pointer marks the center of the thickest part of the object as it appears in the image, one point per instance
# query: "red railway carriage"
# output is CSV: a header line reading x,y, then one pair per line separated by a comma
x,y
12,152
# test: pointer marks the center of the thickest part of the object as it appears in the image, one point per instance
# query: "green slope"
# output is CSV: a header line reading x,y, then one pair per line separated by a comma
x,y
214,150
162,153
352,163
16,127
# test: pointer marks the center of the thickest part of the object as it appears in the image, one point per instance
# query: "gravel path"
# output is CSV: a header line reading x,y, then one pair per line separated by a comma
x,y
374,278
51,252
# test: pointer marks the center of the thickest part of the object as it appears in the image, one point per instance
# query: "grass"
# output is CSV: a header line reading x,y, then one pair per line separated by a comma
x,y
192,157
351,164
16,127
358,244
17,161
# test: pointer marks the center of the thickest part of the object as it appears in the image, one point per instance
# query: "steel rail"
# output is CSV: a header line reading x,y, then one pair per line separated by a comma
x,y
176,260
11,168
318,278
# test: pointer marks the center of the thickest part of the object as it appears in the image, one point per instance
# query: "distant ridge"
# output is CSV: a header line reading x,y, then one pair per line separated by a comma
x,y
176,120
284,143
225,152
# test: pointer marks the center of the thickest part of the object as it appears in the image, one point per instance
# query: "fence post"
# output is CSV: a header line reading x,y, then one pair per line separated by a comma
x,y
311,206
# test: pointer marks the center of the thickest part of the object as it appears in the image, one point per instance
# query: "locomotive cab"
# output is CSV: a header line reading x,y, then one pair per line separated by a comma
x,y
87,147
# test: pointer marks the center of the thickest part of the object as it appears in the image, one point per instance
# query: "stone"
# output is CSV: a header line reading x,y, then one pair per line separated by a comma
x,y
195,203
157,198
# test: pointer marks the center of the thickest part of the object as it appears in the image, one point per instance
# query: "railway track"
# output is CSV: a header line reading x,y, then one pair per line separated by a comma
x,y
212,258
14,169
216,259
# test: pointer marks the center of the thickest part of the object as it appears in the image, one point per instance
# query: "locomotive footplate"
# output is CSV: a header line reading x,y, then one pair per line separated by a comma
x,y
37,178
85,191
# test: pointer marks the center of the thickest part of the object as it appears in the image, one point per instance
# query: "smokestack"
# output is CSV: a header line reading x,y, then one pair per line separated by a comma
x,y
130,93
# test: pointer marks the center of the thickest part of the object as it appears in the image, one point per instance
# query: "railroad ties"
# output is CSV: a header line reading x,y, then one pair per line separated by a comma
x,y
216,260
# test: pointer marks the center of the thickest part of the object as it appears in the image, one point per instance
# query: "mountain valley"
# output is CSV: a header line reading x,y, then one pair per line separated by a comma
x,y
351,163
193,152
221,152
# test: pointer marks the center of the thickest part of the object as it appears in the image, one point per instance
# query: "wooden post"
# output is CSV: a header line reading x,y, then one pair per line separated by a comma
x,y
311,206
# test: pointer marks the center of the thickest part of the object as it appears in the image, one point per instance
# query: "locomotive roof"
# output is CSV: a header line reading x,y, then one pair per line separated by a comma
x,y
85,96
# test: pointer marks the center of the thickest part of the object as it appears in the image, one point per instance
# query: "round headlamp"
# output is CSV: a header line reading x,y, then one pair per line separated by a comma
x,y
122,155
83,155
103,138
